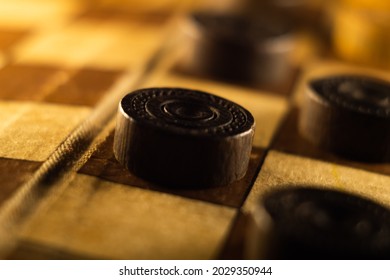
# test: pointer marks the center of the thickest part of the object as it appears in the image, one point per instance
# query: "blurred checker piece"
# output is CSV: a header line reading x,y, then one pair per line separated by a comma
x,y
310,223
348,115
183,138
237,48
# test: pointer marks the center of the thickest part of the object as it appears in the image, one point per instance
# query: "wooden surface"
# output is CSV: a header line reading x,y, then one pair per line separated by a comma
x,y
64,67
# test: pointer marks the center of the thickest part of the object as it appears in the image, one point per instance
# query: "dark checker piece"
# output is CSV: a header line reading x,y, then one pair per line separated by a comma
x,y
180,137
238,48
310,223
349,115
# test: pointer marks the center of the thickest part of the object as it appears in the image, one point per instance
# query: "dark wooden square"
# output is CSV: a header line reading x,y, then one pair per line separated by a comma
x,y
14,173
86,87
10,37
25,82
104,165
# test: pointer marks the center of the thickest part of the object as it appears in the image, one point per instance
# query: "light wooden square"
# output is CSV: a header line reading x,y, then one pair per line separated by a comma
x,y
32,131
133,45
282,170
45,14
100,219
72,46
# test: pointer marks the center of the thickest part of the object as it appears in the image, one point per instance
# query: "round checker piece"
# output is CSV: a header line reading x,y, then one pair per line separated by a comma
x,y
309,223
238,48
183,138
348,115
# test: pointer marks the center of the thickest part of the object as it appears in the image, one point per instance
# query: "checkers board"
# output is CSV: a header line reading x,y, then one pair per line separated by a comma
x,y
64,67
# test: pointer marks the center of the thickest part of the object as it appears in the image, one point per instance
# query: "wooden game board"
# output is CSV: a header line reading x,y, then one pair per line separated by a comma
x,y
64,67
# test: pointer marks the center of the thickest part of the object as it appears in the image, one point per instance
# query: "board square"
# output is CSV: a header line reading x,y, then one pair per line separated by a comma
x,y
85,88
13,174
29,82
42,126
107,220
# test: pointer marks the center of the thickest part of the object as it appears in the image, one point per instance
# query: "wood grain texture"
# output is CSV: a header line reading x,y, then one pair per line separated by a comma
x,y
42,126
107,220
